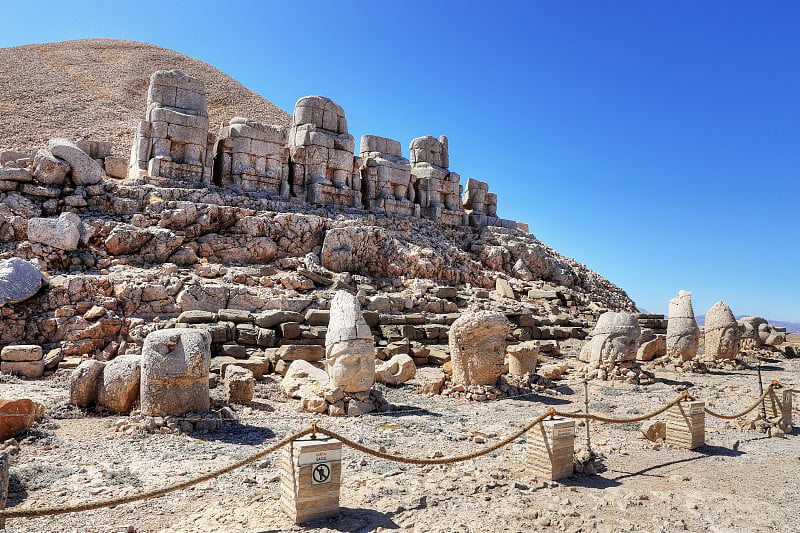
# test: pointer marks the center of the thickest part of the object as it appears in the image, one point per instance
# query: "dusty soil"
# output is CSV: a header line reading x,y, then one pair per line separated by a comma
x,y
741,480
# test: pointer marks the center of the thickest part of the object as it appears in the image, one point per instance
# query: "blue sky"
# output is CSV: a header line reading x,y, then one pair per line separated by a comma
x,y
656,142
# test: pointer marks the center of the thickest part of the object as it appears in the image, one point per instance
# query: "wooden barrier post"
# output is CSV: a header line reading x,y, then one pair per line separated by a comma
x,y
312,475
686,425
551,445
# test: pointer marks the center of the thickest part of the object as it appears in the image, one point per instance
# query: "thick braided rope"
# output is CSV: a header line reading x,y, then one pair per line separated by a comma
x,y
599,418
737,415
438,460
90,506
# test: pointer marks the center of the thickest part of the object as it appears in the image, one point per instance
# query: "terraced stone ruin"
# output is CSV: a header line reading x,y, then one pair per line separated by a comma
x,y
245,233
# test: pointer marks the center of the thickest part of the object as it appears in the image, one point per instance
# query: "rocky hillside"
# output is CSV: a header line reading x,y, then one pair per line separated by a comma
x,y
124,256
96,89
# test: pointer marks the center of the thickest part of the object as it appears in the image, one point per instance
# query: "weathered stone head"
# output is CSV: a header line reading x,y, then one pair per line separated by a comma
x,y
683,335
175,366
349,346
614,339
478,347
721,333
756,332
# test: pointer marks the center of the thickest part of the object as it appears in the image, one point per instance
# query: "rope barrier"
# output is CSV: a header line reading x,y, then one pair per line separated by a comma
x,y
437,460
90,506
737,415
314,428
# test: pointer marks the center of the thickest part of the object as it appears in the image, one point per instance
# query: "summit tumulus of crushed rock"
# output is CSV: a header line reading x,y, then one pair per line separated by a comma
x,y
96,88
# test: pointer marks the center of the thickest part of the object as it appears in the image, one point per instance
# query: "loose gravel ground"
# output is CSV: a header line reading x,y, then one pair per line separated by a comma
x,y
741,480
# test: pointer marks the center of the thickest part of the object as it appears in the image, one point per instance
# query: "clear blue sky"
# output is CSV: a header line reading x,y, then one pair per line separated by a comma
x,y
656,142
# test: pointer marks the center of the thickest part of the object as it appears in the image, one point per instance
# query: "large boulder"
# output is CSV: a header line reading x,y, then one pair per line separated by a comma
x,y
19,280
119,385
478,347
85,170
63,233
84,383
175,366
17,415
48,169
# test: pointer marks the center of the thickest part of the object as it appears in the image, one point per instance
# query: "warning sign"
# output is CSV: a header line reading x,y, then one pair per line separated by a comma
x,y
561,432
325,456
320,474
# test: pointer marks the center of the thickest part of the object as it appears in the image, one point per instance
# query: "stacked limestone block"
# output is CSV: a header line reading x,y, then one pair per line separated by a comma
x,y
173,140
386,177
253,157
324,170
438,190
23,360
481,206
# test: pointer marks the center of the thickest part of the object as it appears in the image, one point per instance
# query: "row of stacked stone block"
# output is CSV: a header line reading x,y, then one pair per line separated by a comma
x,y
312,162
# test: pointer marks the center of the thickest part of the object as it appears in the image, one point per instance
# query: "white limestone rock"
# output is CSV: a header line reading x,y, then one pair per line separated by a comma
x,y
301,372
396,370
63,233
48,169
85,170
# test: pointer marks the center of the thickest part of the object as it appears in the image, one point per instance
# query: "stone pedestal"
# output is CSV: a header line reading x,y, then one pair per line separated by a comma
x,y
311,478
686,425
551,445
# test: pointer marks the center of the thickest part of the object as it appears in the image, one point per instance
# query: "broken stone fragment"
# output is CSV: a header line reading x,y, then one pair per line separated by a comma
x,y
84,383
85,170
396,370
48,169
19,416
300,373
63,233
239,385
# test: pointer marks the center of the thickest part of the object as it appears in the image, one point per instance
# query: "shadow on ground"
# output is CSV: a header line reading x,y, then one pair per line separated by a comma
x,y
237,434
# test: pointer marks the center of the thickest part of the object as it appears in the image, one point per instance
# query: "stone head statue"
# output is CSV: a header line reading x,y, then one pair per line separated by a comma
x,y
683,335
721,333
757,332
349,346
614,339
478,347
